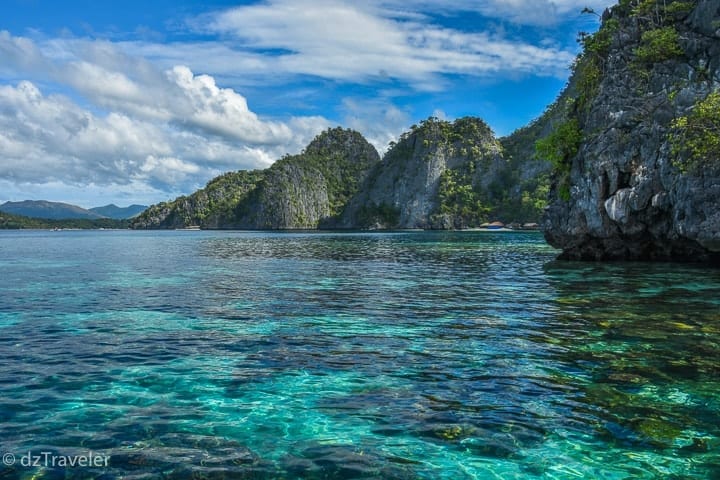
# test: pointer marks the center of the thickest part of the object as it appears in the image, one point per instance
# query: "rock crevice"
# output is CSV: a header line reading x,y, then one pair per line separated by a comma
x,y
630,195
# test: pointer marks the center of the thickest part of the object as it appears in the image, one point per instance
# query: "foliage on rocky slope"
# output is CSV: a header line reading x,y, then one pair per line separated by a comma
x,y
641,184
445,175
211,207
440,174
300,191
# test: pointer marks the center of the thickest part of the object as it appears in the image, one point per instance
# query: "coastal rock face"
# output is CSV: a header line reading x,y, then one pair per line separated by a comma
x,y
304,191
437,176
210,207
310,190
440,175
631,189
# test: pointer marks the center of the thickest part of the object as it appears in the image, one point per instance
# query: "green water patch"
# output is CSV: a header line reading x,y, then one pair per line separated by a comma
x,y
399,356
9,319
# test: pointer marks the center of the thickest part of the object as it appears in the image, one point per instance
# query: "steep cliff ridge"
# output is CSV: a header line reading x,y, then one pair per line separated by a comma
x,y
210,207
434,159
302,191
629,183
441,175
310,190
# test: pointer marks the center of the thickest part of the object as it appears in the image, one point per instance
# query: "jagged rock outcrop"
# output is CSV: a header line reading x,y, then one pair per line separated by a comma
x,y
440,175
630,189
436,159
211,207
304,191
310,190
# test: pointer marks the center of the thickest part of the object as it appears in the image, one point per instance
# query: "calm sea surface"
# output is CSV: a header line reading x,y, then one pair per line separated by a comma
x,y
339,356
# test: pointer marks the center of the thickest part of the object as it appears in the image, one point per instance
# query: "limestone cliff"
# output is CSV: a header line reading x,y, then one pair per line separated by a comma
x,y
634,176
211,207
440,175
301,191
310,190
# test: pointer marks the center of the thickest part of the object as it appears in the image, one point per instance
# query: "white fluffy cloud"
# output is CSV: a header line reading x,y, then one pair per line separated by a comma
x,y
361,42
154,119
49,138
101,72
168,131
221,111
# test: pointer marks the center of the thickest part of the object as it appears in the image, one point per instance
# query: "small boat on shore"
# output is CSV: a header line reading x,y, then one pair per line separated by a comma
x,y
495,227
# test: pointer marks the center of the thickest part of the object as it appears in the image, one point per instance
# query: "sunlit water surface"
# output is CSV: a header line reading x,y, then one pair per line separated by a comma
x,y
337,356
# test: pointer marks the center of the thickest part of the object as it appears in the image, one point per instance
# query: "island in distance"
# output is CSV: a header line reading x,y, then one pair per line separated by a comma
x,y
64,211
438,175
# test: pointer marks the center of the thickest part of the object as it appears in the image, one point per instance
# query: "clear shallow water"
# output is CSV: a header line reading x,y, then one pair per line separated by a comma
x,y
338,356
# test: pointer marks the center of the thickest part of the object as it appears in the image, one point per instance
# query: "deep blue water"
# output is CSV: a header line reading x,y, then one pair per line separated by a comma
x,y
464,355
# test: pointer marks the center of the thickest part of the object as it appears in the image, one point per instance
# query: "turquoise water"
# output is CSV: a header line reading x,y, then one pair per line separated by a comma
x,y
338,356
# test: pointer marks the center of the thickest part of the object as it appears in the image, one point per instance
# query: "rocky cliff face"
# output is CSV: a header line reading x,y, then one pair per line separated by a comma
x,y
632,184
210,207
440,175
310,190
302,191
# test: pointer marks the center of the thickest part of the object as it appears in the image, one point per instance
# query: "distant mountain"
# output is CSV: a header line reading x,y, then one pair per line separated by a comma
x,y
14,222
119,213
49,210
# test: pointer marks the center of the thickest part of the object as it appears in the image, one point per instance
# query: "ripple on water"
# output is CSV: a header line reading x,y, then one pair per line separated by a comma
x,y
402,355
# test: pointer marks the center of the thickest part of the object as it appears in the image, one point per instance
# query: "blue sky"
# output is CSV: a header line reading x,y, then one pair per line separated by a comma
x,y
138,102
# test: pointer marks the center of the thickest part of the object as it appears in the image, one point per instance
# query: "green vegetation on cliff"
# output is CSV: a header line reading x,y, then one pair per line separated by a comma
x,y
658,45
654,13
695,137
636,150
459,199
308,190
210,207
439,174
559,148
16,222
591,64
462,196
650,24
451,175
343,158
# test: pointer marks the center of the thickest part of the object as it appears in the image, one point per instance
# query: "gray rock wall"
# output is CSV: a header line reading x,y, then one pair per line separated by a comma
x,y
408,178
304,191
629,199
